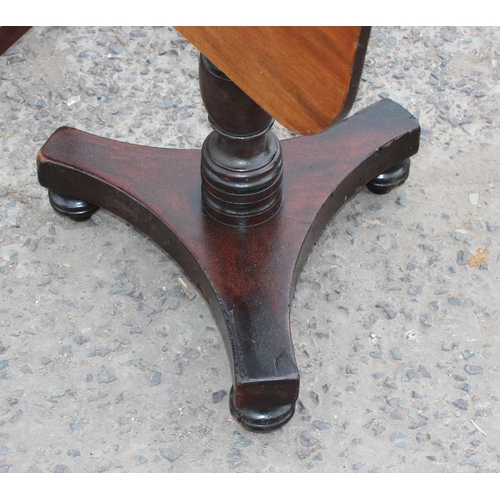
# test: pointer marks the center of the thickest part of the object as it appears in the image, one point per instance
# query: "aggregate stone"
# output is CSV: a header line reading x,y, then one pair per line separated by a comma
x,y
411,374
396,353
62,468
320,425
390,314
171,454
308,439
241,442
468,354
390,383
395,436
15,417
104,376
473,369
218,396
403,200
426,319
81,339
461,403
234,458
303,453
472,462
466,387
314,397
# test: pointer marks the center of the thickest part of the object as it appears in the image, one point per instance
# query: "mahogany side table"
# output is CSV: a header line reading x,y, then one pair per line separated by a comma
x,y
241,216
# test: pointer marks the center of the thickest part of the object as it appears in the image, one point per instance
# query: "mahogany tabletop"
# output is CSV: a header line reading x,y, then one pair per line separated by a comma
x,y
305,77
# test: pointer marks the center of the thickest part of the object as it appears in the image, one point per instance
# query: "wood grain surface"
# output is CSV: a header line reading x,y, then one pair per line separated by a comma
x,y
305,77
9,35
247,275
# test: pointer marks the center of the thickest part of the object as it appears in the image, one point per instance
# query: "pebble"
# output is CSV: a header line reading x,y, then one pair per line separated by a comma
x,y
218,396
155,379
60,390
474,369
234,459
398,435
104,376
62,468
308,439
314,397
474,198
466,387
171,454
415,290
303,453
116,48
403,200
390,314
396,414
492,226
16,417
390,383
242,442
461,258
461,403
426,319
469,462
81,339
396,353
75,426
320,425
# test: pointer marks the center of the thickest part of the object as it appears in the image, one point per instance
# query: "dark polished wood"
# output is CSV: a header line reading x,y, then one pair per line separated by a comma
x,y
246,274
9,35
71,207
241,160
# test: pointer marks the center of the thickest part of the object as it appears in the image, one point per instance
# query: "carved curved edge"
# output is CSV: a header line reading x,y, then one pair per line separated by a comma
x,y
247,275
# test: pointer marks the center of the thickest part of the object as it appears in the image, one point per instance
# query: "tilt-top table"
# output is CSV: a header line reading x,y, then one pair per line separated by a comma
x,y
241,216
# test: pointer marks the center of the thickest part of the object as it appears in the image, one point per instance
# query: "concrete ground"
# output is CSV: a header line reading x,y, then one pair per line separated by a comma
x,y
110,360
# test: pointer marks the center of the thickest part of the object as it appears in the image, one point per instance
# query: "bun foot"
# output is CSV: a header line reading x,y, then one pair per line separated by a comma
x,y
71,207
390,179
261,419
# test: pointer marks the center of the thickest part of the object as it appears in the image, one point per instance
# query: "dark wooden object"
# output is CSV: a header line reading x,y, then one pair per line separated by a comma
x,y
10,35
247,274
242,230
305,77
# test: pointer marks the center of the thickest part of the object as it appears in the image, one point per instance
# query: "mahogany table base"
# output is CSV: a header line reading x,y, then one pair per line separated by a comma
x,y
246,274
